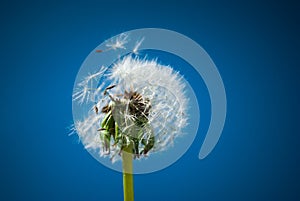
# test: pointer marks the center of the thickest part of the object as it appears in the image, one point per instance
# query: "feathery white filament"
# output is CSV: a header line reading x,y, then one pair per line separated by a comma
x,y
119,42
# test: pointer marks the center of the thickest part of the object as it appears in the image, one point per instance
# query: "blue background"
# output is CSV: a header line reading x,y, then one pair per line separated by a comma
x,y
255,47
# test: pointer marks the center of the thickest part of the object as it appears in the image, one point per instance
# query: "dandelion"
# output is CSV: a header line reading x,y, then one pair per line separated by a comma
x,y
140,111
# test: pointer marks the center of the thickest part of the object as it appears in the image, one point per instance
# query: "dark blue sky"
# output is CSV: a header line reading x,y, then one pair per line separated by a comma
x,y
255,47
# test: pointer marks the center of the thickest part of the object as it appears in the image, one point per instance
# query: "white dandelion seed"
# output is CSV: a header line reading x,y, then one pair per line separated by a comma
x,y
148,103
118,43
86,89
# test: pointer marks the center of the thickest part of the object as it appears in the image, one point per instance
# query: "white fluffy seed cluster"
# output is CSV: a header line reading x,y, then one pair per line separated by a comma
x,y
160,84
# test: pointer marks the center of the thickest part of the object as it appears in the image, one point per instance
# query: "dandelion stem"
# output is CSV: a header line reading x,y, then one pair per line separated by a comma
x,y
127,158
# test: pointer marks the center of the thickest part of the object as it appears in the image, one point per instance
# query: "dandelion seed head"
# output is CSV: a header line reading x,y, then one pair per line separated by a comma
x,y
160,87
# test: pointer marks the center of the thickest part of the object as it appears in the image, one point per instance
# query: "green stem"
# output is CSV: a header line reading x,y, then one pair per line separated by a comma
x,y
127,158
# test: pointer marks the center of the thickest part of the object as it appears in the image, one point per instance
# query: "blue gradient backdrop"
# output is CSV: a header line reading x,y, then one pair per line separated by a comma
x,y
255,46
